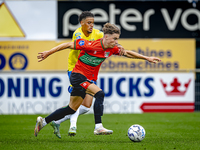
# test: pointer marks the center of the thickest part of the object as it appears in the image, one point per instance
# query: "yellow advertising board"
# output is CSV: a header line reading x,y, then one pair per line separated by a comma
x,y
22,55
176,54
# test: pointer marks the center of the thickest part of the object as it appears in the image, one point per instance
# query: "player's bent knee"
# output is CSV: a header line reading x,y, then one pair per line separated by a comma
x,y
99,94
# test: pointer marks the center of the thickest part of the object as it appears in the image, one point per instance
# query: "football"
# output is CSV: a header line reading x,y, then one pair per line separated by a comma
x,y
136,133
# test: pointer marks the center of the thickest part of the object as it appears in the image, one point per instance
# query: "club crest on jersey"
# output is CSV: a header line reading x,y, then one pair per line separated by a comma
x,y
78,37
81,43
78,33
106,54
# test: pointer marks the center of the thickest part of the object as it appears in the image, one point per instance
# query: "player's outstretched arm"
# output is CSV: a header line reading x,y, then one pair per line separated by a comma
x,y
45,54
134,55
122,50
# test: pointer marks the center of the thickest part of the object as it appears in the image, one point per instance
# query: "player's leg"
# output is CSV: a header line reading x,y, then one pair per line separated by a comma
x,y
56,124
76,79
75,102
84,108
98,109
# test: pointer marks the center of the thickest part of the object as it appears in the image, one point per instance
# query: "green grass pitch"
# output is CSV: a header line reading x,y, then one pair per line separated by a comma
x,y
164,131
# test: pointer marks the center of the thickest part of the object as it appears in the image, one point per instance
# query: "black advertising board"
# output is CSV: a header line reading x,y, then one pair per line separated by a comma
x,y
136,19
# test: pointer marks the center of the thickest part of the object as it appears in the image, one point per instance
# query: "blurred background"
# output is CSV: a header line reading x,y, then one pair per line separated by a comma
x,y
166,29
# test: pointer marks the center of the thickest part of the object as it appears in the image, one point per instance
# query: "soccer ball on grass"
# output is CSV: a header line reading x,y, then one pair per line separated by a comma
x,y
136,133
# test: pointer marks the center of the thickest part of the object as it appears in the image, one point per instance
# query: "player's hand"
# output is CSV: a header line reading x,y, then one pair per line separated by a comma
x,y
153,59
122,50
42,55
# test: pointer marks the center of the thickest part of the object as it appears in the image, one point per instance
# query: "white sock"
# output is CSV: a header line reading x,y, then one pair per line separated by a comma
x,y
44,123
81,110
63,119
98,125
73,118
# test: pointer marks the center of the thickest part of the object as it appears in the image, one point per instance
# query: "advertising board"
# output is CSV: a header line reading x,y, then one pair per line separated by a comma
x,y
136,19
42,93
177,54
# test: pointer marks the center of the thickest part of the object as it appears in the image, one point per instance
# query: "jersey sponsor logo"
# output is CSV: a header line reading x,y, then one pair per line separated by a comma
x,y
78,37
106,54
78,33
91,60
81,43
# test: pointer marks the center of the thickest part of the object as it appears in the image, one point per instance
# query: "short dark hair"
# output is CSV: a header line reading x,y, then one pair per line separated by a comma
x,y
84,15
109,28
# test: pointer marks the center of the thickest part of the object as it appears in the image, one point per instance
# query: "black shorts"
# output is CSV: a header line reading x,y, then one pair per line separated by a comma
x,y
80,83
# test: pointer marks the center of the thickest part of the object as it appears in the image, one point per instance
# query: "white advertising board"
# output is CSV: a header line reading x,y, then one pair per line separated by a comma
x,y
42,93
33,93
147,92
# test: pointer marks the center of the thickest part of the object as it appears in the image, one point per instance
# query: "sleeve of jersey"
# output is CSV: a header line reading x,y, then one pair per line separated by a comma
x,y
73,38
80,44
116,50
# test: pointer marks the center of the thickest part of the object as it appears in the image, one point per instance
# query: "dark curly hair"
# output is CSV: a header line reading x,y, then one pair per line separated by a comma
x,y
109,28
84,15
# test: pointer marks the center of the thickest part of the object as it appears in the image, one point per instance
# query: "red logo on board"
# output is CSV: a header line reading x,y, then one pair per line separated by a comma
x,y
175,84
